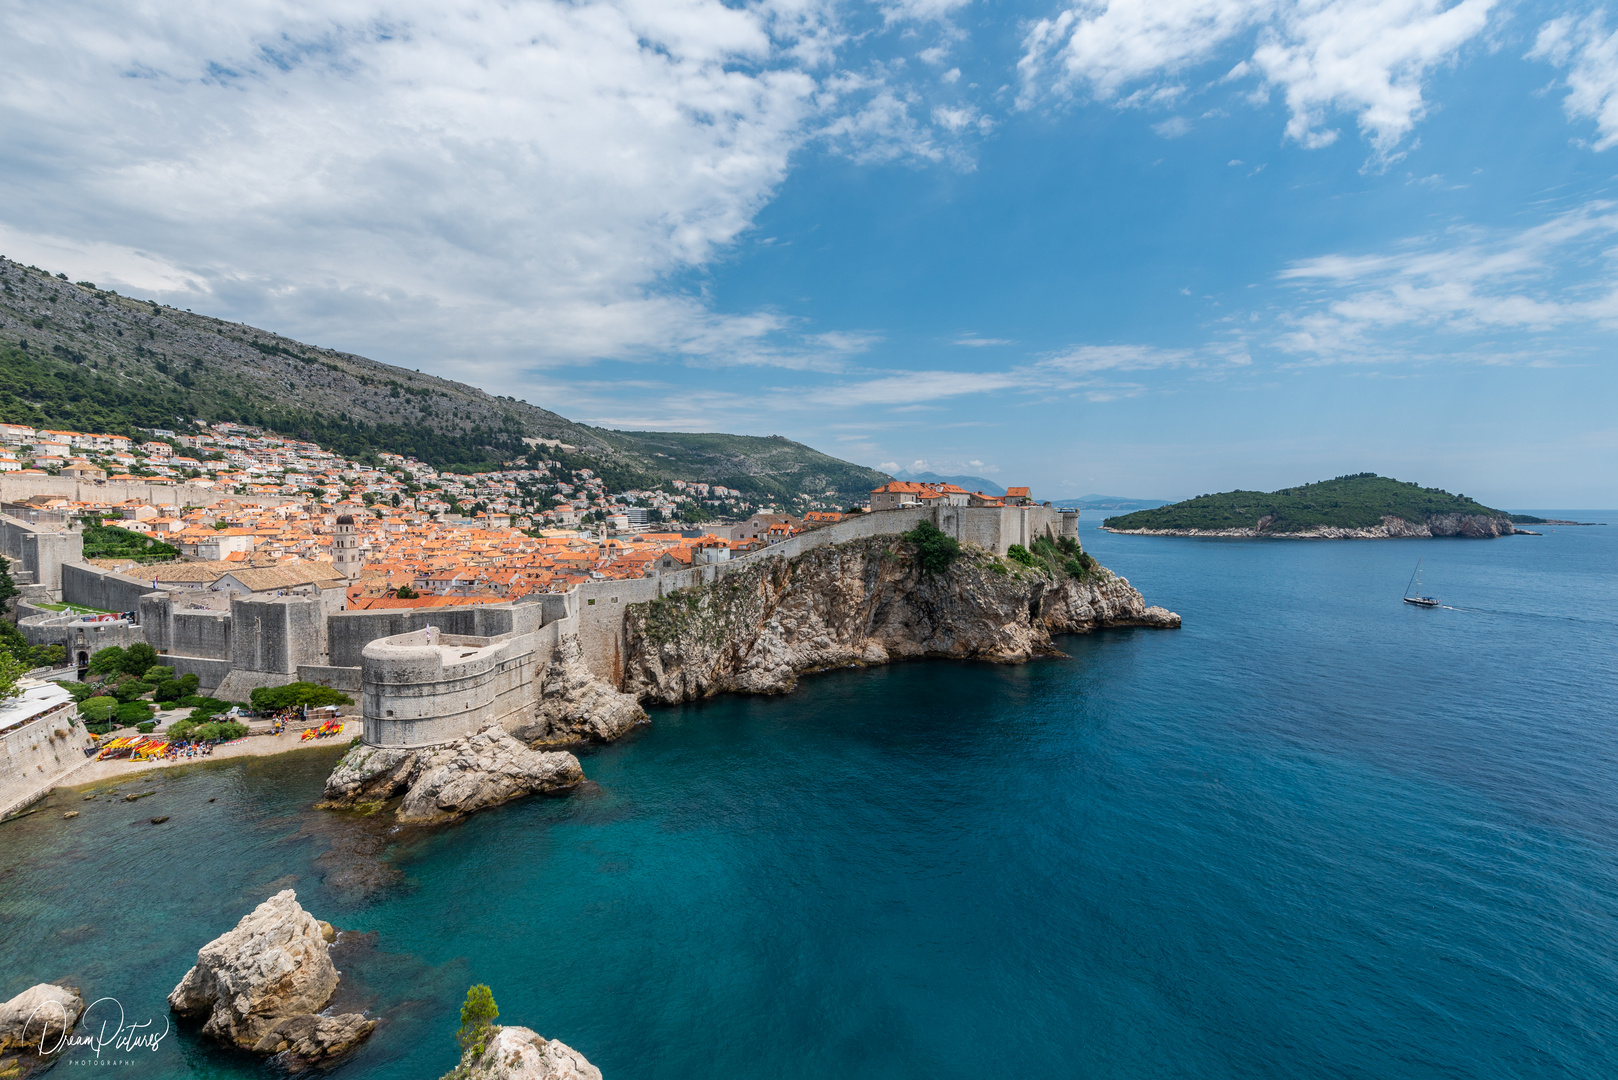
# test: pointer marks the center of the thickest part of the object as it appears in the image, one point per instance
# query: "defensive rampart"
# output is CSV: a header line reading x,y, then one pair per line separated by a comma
x,y
37,553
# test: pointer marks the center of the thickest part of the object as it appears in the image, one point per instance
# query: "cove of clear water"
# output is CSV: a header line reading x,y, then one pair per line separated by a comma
x,y
1317,832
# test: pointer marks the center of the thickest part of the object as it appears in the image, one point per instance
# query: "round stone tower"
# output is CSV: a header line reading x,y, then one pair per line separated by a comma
x,y
345,548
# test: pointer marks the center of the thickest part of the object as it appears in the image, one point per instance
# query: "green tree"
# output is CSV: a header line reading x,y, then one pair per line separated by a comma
x,y
935,550
138,657
107,661
478,1014
11,672
405,592
270,698
8,588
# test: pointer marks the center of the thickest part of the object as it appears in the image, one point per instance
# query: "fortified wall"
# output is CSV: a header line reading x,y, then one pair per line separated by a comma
x,y
431,675
37,553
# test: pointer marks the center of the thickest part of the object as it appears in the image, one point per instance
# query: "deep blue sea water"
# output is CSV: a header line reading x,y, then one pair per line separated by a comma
x,y
1315,833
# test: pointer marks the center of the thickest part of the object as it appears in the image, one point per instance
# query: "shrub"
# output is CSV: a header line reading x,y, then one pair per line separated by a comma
x,y
478,1014
133,712
1019,554
180,730
219,731
98,710
82,690
157,674
145,726
168,690
934,549
270,698
132,689
189,683
206,707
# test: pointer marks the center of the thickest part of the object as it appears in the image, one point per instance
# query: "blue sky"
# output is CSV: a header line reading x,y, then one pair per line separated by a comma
x,y
1150,249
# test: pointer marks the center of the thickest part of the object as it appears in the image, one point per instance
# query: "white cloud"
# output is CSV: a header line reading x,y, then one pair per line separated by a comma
x,y
1554,276
1082,369
1591,51
424,182
1173,127
1365,57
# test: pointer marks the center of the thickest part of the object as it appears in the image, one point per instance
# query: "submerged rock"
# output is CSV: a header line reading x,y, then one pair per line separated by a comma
x,y
442,783
519,1053
39,1017
862,602
273,968
575,706
306,1038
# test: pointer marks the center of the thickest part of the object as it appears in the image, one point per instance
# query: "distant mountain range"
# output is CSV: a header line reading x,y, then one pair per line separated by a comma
x,y
1115,503
77,357
970,483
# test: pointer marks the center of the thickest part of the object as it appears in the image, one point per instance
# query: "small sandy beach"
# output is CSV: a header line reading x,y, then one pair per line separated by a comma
x,y
94,772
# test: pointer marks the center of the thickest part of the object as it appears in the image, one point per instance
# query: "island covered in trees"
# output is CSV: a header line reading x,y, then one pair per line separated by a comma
x,y
1361,505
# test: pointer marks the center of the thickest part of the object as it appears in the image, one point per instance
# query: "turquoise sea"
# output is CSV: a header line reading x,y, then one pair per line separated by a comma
x,y
1315,833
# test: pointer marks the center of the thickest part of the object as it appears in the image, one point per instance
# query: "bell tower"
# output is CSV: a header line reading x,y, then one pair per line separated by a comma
x,y
345,548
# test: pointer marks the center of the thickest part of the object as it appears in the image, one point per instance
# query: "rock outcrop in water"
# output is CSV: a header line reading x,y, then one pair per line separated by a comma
x,y
519,1053
262,985
442,783
575,706
862,602
39,1017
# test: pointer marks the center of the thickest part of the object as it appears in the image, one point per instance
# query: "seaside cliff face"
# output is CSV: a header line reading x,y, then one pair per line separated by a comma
x,y
1474,526
863,602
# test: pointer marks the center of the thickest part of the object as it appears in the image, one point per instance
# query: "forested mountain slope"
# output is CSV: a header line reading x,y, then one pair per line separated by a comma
x,y
75,356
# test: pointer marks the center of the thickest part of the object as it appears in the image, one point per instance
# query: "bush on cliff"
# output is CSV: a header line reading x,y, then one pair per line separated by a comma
x,y
934,549
478,1015
271,698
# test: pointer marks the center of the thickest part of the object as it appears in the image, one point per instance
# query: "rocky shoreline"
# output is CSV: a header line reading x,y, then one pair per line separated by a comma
x,y
861,603
1471,526
754,631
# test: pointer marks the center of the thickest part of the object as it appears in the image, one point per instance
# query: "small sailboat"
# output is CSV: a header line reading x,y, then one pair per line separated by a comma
x,y
1418,599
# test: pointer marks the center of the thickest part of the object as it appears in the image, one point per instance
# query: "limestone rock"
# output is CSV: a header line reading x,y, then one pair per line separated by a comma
x,y
441,783
862,602
484,770
575,706
273,966
370,774
306,1037
519,1053
39,1017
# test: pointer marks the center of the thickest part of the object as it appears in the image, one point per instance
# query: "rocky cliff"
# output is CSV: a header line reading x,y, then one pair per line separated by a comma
x,y
442,783
575,706
863,602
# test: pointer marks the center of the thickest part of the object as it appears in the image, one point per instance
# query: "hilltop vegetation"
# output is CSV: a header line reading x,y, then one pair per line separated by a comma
x,y
1350,502
75,356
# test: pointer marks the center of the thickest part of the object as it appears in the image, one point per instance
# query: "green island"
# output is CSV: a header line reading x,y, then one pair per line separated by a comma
x,y
1359,503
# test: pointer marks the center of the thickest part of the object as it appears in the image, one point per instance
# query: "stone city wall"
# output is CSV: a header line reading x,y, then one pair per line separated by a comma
x,y
91,586
428,687
14,488
37,553
37,754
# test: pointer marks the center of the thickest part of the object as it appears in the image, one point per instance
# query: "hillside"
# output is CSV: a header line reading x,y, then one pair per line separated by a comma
x,y
1360,502
75,356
